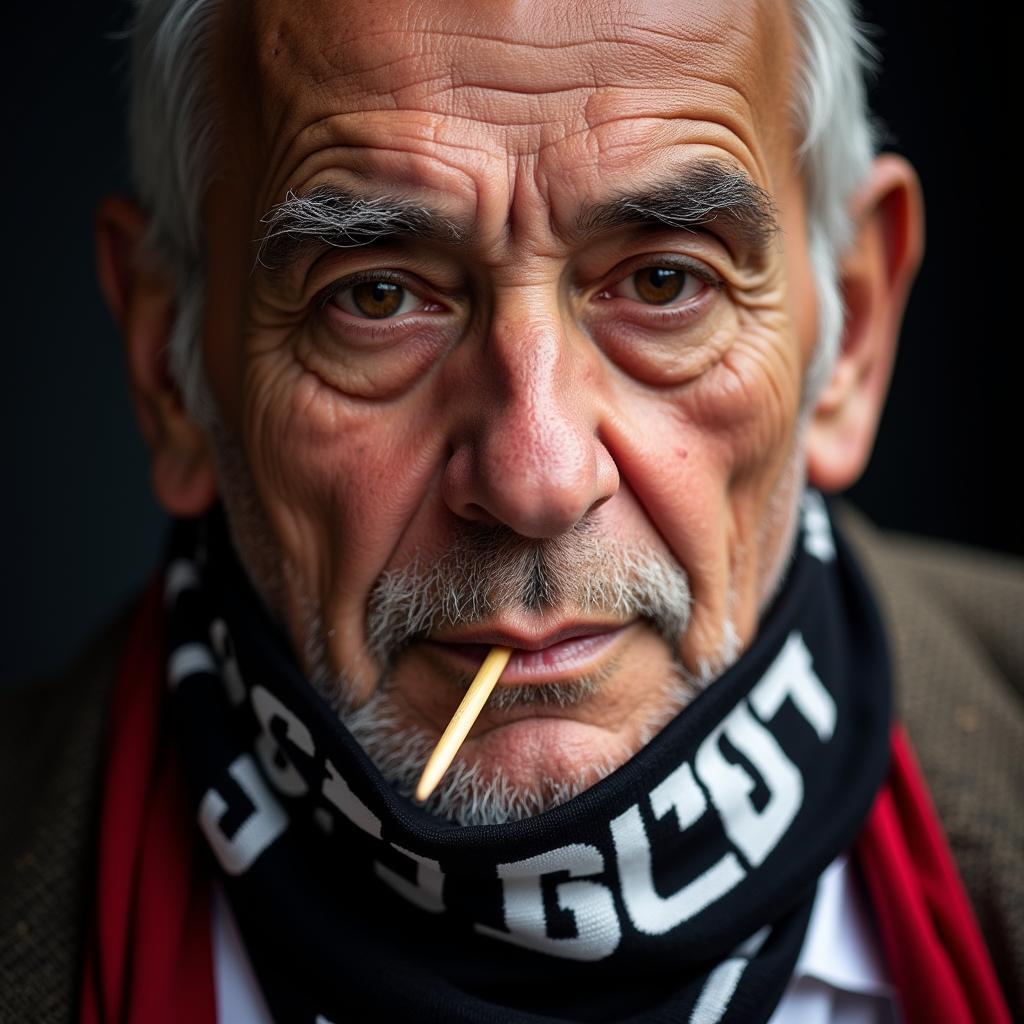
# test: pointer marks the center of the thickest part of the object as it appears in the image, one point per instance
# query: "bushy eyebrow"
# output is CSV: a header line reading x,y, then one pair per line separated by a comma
x,y
334,217
705,192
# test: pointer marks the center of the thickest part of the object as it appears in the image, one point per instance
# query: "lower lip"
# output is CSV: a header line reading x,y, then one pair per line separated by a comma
x,y
572,657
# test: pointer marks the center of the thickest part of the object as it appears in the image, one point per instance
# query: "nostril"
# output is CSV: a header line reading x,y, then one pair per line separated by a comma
x,y
478,514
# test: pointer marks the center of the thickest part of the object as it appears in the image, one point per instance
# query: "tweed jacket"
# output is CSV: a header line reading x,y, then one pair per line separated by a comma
x,y
954,623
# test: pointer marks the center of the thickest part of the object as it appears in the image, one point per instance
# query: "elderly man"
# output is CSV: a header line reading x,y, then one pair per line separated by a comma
x,y
539,326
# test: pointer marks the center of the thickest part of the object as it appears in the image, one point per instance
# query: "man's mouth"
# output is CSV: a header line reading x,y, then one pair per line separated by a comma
x,y
573,650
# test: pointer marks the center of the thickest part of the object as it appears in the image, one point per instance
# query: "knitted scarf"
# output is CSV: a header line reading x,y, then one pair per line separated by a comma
x,y
679,888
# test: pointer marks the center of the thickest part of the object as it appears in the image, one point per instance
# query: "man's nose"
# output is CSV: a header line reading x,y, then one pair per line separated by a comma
x,y
527,453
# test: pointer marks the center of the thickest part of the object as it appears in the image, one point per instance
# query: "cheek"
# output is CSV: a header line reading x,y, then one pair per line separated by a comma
x,y
704,459
747,403
697,445
339,478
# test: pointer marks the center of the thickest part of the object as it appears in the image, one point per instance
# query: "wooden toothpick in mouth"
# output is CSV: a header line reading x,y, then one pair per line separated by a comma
x,y
462,721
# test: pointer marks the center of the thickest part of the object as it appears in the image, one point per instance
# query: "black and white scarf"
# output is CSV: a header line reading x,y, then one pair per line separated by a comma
x,y
677,889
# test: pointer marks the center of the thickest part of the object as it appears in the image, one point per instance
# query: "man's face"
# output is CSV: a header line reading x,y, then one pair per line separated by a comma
x,y
535,386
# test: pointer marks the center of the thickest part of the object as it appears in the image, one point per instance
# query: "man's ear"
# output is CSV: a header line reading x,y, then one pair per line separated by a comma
x,y
875,278
142,301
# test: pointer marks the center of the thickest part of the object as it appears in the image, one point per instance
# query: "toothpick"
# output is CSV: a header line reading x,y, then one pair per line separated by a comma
x,y
462,721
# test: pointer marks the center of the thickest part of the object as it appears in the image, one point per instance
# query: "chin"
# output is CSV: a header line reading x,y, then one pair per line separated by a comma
x,y
519,761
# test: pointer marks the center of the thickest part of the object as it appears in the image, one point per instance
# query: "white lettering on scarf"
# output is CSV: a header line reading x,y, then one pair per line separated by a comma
x,y
265,822
752,832
649,912
588,902
818,539
426,891
427,887
220,637
276,763
792,675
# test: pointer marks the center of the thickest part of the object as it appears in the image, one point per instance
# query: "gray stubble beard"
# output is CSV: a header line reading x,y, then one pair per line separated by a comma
x,y
484,572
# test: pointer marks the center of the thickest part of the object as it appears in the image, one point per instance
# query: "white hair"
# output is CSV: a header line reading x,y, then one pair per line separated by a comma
x,y
839,138
174,127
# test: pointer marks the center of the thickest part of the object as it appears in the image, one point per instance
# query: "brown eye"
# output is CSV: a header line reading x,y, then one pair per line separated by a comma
x,y
375,300
659,285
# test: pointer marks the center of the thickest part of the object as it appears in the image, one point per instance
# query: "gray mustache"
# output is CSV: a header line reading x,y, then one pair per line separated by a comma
x,y
490,570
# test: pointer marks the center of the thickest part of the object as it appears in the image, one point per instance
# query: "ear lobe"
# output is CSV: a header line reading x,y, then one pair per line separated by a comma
x,y
876,273
141,300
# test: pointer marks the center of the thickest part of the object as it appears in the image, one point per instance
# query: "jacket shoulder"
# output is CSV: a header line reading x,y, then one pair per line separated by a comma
x,y
953,623
52,738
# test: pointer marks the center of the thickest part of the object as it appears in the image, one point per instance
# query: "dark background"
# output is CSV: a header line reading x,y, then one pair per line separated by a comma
x,y
80,529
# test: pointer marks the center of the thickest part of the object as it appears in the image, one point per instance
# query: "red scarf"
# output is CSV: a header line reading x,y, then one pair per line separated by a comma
x,y
149,958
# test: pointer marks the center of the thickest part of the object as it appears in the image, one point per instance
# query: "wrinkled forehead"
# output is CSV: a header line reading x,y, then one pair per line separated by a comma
x,y
551,81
